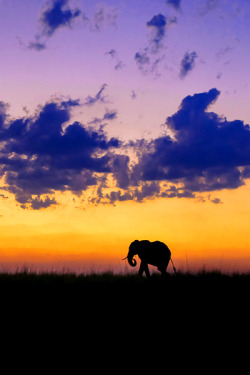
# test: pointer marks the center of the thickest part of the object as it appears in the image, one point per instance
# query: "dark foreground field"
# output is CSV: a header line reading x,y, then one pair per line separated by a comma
x,y
181,293
178,322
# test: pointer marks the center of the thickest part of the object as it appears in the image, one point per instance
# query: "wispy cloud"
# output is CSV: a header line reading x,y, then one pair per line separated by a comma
x,y
208,6
114,55
187,63
99,97
148,58
58,14
105,15
36,45
174,3
158,23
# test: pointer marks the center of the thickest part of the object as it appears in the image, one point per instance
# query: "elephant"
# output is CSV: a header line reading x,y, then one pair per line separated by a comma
x,y
155,253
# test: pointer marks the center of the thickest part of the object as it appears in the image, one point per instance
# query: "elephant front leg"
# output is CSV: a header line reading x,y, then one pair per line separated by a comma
x,y
144,267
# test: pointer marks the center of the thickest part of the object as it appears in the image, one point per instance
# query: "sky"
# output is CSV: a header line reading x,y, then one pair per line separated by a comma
x,y
124,120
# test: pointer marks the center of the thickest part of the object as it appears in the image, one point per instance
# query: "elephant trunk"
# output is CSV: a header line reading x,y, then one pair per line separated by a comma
x,y
130,257
133,250
131,261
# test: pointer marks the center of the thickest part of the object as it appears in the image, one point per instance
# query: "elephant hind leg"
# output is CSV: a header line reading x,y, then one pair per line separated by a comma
x,y
162,269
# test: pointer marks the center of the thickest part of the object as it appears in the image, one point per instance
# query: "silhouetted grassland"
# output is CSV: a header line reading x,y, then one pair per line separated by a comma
x,y
197,281
206,309
175,289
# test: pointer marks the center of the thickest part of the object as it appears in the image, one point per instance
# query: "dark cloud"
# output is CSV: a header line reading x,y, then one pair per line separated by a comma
x,y
57,14
99,97
47,153
216,201
38,203
121,171
158,23
207,153
54,15
148,58
187,63
146,190
109,115
39,156
174,3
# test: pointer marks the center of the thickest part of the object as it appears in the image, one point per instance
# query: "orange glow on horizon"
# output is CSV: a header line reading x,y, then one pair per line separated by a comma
x,y
198,234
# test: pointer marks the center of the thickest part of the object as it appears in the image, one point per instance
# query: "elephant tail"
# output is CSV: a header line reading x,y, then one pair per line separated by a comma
x,y
173,266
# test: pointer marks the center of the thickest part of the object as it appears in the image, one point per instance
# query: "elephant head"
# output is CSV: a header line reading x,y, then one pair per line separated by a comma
x,y
133,250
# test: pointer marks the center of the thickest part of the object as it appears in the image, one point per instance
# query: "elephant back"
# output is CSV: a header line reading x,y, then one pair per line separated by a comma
x,y
154,252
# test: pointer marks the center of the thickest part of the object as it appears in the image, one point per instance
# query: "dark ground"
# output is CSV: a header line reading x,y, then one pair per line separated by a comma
x,y
171,321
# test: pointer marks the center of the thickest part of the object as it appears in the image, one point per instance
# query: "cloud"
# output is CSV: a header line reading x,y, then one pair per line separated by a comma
x,y
174,3
104,16
57,14
142,59
109,115
120,168
158,23
3,113
147,62
188,63
146,190
99,97
54,15
39,156
208,152
47,153
114,55
208,6
37,45
216,201
37,203
148,58
133,95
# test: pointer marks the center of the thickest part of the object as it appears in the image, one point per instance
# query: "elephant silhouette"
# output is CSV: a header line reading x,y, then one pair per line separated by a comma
x,y
155,253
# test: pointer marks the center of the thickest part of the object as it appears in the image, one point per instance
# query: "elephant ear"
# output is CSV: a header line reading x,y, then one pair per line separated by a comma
x,y
134,244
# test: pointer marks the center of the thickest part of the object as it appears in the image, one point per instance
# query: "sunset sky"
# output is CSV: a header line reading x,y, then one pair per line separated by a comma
x,y
124,120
